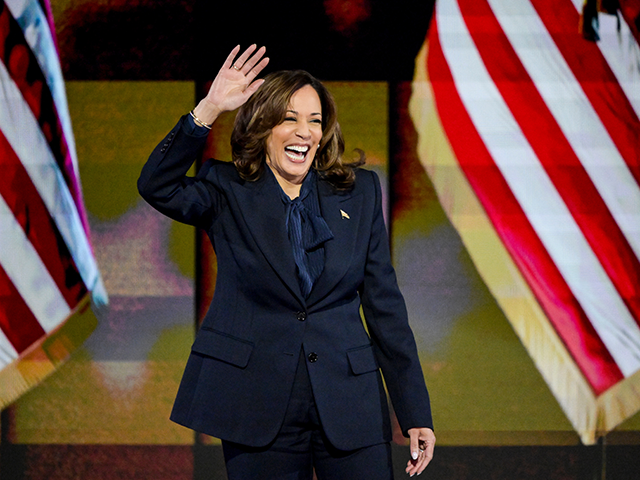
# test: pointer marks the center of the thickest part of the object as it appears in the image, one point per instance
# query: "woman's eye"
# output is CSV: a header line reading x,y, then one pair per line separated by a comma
x,y
317,120
289,119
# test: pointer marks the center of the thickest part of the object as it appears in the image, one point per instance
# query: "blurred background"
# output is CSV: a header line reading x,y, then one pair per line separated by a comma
x,y
132,68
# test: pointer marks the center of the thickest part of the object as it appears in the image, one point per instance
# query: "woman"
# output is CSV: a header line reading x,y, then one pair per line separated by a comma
x,y
282,368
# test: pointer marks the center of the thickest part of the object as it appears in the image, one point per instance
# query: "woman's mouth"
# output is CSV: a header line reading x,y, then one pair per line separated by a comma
x,y
296,153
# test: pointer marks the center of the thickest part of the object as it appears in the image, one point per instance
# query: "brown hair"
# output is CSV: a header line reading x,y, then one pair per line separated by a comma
x,y
267,108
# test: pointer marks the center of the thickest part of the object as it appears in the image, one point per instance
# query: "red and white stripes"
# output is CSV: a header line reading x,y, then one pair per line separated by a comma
x,y
46,262
545,127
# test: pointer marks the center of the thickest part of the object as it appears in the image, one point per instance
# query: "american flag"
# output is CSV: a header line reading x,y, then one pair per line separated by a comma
x,y
48,274
531,136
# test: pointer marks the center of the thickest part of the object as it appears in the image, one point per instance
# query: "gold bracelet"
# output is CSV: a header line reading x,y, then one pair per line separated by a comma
x,y
200,122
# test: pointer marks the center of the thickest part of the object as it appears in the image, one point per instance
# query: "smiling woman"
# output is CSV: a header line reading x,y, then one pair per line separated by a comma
x,y
270,110
283,370
292,145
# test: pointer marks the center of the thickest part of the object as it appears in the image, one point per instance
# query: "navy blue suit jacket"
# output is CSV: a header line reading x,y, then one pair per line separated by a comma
x,y
239,375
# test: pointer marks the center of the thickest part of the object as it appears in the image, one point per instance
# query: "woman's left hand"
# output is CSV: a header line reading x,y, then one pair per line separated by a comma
x,y
422,443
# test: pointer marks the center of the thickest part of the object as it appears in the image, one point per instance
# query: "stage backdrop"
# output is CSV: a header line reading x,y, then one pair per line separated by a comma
x,y
133,68
530,133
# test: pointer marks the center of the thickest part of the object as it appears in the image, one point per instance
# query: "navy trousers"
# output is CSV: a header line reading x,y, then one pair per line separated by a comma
x,y
301,447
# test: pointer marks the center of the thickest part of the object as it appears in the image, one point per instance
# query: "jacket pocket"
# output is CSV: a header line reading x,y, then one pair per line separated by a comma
x,y
223,347
362,360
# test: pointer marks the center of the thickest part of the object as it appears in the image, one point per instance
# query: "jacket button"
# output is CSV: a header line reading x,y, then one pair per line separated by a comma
x,y
313,357
302,316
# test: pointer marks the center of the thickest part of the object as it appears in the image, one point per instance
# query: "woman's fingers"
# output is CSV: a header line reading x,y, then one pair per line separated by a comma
x,y
422,443
229,61
235,82
242,59
247,66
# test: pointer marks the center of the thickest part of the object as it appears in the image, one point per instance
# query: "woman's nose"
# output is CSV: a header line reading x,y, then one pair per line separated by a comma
x,y
303,131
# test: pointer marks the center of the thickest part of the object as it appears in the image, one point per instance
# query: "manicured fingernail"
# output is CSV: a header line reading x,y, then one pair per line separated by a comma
x,y
414,455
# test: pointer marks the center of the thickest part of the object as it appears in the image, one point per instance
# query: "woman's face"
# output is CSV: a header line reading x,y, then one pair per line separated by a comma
x,y
292,145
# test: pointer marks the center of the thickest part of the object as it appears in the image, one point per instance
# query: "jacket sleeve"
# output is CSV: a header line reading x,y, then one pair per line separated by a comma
x,y
387,321
164,183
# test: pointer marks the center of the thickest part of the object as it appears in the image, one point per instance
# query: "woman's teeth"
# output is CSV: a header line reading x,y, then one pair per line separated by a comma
x,y
295,152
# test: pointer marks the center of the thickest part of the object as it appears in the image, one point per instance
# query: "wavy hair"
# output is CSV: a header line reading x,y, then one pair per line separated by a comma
x,y
267,108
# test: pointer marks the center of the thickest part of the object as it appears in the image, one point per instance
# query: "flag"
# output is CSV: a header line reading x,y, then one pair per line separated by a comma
x,y
530,134
48,274
629,10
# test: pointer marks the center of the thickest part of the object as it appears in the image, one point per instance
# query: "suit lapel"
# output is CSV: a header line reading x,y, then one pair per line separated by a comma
x,y
262,210
341,212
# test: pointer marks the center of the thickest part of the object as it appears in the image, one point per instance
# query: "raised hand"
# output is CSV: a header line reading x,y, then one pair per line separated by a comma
x,y
234,84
